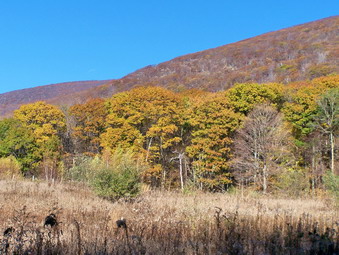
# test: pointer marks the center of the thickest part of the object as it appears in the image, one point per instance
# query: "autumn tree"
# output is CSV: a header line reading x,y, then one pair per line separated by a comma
x,y
89,124
245,96
146,119
301,105
261,146
17,141
46,122
213,123
43,119
122,123
327,119
326,82
190,98
302,110
313,157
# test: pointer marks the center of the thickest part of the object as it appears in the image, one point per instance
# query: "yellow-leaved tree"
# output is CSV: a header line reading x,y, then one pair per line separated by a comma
x,y
89,123
147,120
213,122
47,123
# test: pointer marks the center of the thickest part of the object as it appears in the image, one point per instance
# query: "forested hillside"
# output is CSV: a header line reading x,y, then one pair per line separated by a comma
x,y
51,93
268,136
297,53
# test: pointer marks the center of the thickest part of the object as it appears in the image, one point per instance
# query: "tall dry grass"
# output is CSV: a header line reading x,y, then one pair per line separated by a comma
x,y
162,223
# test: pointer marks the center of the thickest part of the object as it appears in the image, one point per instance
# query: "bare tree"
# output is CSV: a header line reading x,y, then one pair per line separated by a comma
x,y
328,120
261,146
313,155
182,160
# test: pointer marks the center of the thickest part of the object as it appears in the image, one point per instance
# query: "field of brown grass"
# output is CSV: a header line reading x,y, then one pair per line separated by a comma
x,y
162,223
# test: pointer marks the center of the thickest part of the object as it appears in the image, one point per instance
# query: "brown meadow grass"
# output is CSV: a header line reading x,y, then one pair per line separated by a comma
x,y
162,222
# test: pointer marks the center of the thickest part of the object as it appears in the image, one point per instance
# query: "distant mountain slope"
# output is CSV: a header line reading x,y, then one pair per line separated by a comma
x,y
296,53
12,100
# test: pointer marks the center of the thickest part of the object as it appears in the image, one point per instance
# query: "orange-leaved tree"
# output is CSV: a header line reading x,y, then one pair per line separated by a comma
x,y
213,122
89,124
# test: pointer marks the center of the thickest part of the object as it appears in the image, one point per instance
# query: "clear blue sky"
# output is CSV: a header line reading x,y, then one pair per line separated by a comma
x,y
50,41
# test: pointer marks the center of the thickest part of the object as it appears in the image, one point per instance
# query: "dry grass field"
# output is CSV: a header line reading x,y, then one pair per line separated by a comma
x,y
162,223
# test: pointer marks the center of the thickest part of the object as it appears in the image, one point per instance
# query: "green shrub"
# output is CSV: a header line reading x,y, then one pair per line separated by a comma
x,y
292,182
117,176
331,182
82,169
9,168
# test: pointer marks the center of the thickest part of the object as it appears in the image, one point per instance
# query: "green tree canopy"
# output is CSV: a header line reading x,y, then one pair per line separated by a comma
x,y
243,97
18,141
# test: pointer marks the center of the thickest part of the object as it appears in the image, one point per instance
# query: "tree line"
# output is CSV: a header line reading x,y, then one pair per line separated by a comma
x,y
259,135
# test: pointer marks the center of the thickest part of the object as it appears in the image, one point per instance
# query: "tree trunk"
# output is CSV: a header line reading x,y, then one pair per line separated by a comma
x,y
332,151
180,171
242,188
163,181
148,148
313,168
264,173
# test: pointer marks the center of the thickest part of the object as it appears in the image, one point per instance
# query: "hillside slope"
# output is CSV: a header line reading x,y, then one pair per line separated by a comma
x,y
52,93
296,53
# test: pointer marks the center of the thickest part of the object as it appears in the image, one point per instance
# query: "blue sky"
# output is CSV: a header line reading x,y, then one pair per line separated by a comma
x,y
48,41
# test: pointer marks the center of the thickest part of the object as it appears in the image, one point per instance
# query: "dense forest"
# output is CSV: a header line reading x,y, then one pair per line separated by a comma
x,y
268,136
